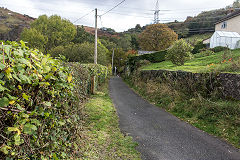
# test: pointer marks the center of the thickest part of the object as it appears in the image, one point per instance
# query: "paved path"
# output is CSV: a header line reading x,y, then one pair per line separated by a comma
x,y
162,136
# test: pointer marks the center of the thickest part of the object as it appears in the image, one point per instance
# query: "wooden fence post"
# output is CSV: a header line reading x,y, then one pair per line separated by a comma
x,y
3,53
92,84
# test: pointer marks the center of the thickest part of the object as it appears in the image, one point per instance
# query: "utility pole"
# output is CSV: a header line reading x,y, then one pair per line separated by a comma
x,y
93,79
112,61
95,51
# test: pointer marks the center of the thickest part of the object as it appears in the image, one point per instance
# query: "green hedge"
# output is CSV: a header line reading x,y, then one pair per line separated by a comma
x,y
84,73
40,104
153,58
198,47
219,49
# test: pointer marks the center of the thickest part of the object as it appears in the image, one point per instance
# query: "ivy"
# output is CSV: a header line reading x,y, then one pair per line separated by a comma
x,y
40,103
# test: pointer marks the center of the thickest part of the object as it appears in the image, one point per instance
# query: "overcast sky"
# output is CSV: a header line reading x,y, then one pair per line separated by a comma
x,y
125,16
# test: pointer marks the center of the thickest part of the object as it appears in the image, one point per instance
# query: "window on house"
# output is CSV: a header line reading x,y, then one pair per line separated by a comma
x,y
224,25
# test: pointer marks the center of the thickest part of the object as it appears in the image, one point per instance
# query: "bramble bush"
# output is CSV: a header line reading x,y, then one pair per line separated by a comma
x,y
219,49
179,52
198,47
204,53
40,104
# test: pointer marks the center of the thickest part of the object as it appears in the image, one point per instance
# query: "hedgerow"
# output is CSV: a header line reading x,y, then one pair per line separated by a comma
x,y
153,58
40,104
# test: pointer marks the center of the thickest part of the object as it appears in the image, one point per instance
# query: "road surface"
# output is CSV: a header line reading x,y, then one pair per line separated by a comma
x,y
162,136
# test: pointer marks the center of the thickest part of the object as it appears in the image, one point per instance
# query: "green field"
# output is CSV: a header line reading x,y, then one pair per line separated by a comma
x,y
199,65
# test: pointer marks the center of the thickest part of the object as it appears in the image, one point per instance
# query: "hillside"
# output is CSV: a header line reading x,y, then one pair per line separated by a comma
x,y
200,24
203,22
12,24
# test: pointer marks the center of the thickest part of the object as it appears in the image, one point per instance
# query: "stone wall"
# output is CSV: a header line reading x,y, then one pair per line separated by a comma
x,y
227,85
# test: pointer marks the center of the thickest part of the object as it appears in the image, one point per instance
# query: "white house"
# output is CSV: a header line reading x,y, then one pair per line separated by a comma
x,y
227,32
230,23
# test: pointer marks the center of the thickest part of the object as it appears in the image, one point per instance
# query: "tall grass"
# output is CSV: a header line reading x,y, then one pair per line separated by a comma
x,y
210,114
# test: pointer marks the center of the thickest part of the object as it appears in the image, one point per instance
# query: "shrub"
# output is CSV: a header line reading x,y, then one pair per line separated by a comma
x,y
179,52
153,58
204,53
198,47
229,63
219,49
142,63
227,54
83,52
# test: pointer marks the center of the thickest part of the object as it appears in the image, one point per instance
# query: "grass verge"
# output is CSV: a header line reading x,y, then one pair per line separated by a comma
x,y
217,117
102,138
196,65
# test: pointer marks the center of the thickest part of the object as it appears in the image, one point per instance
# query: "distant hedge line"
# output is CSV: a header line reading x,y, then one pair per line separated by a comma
x,y
153,58
40,103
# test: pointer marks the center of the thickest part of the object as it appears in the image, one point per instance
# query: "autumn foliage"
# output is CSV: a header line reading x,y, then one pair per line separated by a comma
x,y
157,37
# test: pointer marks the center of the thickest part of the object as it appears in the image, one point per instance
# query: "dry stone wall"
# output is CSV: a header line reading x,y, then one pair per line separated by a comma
x,y
227,85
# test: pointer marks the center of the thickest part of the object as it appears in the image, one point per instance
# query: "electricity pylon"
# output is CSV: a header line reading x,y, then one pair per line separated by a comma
x,y
156,14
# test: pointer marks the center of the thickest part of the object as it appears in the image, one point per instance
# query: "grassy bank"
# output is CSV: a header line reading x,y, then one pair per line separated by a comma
x,y
196,65
217,117
103,139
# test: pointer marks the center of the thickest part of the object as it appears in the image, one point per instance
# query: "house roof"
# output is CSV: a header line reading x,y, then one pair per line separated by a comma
x,y
228,34
230,16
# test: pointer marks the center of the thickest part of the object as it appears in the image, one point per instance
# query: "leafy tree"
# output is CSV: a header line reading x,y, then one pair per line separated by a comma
x,y
125,42
120,58
179,52
198,47
131,53
55,30
83,52
83,36
35,38
138,28
109,45
114,39
134,42
236,4
157,37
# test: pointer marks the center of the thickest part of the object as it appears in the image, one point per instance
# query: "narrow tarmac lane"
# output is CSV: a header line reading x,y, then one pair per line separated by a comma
x,y
162,136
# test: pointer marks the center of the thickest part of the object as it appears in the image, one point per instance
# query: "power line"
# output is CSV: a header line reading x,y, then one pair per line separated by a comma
x,y
83,16
113,7
100,17
168,18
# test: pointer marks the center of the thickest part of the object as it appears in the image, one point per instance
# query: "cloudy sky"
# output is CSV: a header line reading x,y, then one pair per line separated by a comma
x,y
125,16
